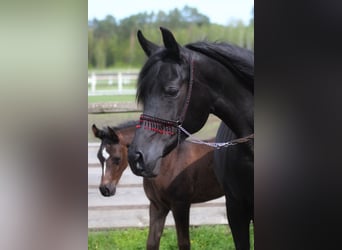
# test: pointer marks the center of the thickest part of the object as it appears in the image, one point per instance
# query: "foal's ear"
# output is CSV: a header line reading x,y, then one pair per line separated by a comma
x,y
146,45
170,42
113,134
97,132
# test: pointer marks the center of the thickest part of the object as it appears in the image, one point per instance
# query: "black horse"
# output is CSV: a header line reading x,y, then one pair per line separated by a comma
x,y
178,87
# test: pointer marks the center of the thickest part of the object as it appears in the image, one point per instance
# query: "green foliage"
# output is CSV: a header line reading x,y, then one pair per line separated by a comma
x,y
201,238
112,44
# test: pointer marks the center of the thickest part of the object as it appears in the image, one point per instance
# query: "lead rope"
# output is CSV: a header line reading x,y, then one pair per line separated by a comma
x,y
216,145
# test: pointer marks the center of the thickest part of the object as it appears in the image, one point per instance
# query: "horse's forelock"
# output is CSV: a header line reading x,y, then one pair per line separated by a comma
x,y
151,67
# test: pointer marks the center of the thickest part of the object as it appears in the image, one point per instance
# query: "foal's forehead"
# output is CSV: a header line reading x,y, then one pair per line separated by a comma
x,y
105,153
108,143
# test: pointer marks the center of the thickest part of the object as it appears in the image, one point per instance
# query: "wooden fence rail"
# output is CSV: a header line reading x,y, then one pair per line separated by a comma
x,y
113,107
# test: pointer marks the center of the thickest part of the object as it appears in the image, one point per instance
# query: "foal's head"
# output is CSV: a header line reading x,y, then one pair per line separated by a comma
x,y
112,155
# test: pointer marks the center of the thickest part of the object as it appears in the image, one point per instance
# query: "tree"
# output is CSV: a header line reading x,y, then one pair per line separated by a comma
x,y
191,15
112,43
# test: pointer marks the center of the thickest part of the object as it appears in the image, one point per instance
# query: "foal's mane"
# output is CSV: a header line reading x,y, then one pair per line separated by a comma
x,y
123,125
239,60
127,124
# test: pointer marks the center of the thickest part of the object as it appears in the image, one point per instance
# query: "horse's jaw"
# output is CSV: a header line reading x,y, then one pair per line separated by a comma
x,y
149,170
145,154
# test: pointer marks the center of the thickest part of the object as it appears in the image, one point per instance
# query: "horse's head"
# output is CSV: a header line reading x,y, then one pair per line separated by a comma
x,y
165,89
113,157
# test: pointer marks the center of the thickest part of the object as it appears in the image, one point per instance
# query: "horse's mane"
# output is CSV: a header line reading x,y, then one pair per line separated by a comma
x,y
239,60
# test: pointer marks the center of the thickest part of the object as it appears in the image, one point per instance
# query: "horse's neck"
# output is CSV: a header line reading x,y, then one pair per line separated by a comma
x,y
231,101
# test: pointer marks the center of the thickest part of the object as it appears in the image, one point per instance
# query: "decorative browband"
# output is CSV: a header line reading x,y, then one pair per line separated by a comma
x,y
158,125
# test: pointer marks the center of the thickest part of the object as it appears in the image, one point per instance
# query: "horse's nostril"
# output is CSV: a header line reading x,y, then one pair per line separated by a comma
x,y
139,160
138,156
136,161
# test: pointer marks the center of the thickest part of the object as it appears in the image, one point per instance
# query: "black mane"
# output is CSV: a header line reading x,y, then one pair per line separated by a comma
x,y
239,60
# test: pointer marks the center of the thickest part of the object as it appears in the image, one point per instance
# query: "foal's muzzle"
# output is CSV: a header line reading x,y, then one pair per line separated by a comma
x,y
107,190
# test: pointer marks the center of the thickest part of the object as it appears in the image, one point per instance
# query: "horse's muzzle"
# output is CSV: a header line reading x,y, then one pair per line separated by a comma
x,y
137,164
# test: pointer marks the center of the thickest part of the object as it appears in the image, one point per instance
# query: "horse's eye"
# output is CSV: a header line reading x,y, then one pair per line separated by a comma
x,y
116,160
171,91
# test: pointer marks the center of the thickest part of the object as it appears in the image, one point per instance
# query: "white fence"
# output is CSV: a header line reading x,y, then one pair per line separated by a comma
x,y
112,83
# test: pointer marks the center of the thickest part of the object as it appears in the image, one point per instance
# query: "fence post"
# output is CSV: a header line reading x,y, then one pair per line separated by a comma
x,y
120,82
93,82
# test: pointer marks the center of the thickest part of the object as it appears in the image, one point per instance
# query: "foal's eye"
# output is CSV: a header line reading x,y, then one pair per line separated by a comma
x,y
171,91
116,160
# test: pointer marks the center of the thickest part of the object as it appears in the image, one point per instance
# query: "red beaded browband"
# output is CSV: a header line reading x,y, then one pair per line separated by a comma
x,y
158,125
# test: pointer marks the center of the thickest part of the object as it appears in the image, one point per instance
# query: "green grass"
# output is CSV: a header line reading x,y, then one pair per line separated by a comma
x,y
108,98
201,238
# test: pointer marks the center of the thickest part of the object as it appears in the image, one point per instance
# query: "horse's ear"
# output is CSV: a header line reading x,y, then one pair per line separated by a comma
x,y
170,42
97,132
146,45
113,134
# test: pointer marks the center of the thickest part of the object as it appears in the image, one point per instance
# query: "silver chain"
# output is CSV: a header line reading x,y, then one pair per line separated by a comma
x,y
216,145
